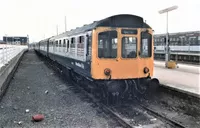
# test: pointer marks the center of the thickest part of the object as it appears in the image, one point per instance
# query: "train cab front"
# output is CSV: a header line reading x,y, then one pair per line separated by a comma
x,y
123,57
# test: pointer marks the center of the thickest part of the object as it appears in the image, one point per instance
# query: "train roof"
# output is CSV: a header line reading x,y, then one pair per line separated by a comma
x,y
46,39
120,20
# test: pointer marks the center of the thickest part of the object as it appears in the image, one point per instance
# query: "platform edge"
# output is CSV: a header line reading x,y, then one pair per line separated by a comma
x,y
180,91
7,72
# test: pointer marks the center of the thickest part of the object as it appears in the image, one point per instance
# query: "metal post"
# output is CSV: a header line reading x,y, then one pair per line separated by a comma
x,y
57,29
65,24
6,50
167,22
3,58
167,54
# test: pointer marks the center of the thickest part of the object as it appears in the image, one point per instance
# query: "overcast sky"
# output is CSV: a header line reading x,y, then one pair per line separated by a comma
x,y
38,18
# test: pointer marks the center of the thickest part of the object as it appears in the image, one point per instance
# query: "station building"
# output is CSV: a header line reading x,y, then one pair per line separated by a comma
x,y
16,40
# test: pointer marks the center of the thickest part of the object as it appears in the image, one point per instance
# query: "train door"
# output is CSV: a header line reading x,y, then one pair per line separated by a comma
x,y
146,54
48,47
67,50
129,52
88,47
39,47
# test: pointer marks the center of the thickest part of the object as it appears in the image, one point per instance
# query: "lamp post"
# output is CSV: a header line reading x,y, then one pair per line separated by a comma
x,y
167,53
57,29
65,24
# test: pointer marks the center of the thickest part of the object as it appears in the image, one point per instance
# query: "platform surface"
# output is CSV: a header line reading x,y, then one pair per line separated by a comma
x,y
186,77
181,67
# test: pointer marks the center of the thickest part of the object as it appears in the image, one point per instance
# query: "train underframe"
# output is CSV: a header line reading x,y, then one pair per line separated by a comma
x,y
112,91
108,91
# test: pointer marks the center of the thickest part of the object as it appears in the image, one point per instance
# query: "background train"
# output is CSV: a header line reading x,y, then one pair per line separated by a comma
x,y
115,54
184,46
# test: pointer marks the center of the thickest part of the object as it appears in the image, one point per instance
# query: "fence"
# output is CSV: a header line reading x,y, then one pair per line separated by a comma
x,y
7,52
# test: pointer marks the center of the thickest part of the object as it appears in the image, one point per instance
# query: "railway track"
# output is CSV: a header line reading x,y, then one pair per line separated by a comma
x,y
106,108
162,117
126,122
111,111
178,107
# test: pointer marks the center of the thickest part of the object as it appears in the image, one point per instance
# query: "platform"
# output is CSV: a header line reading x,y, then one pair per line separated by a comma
x,y
8,52
186,77
181,67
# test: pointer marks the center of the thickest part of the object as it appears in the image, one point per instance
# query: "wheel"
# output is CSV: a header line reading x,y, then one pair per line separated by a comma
x,y
107,97
102,93
139,88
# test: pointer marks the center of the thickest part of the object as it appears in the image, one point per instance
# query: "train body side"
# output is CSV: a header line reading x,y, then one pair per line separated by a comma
x,y
65,53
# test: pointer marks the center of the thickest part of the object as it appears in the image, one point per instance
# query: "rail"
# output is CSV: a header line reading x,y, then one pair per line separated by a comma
x,y
7,52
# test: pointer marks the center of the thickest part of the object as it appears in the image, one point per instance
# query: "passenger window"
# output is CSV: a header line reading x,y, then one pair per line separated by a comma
x,y
107,44
89,47
67,45
56,43
198,40
129,47
81,39
80,42
59,43
64,43
72,45
146,45
90,41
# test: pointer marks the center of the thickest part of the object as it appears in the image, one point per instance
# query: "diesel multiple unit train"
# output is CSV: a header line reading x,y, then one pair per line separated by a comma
x,y
184,46
115,54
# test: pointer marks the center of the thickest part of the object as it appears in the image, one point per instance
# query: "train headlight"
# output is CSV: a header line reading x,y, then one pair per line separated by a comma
x,y
146,70
107,72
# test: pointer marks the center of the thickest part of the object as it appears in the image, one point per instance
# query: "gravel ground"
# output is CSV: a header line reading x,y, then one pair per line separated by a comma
x,y
61,106
178,108
137,117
